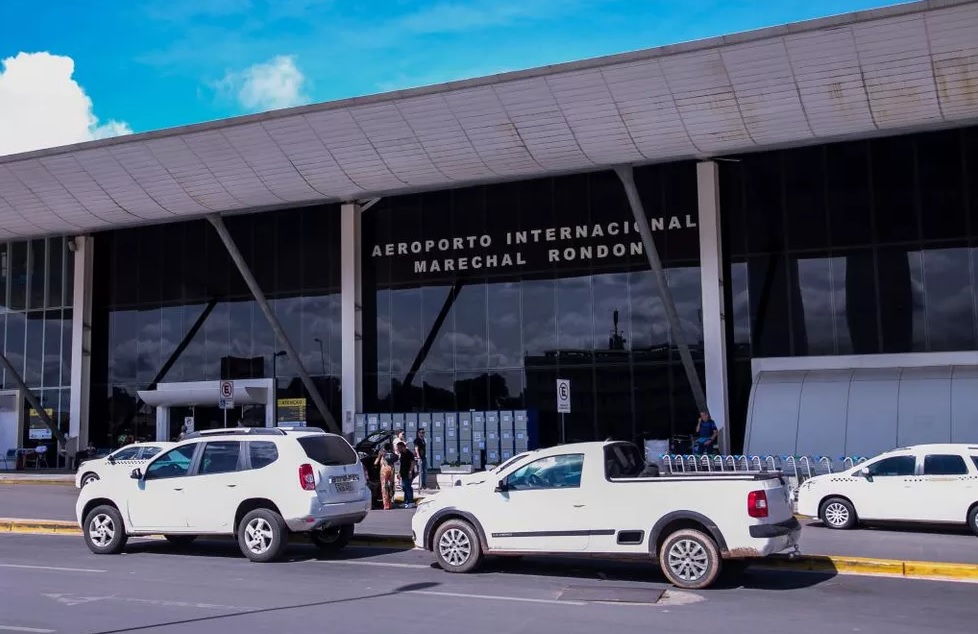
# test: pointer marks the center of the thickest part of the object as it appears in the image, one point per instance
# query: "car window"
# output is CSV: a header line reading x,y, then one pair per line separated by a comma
x,y
220,457
173,464
974,459
552,472
328,450
126,453
945,465
894,466
263,453
149,452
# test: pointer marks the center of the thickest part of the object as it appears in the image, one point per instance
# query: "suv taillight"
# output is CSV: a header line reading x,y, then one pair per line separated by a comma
x,y
307,479
757,504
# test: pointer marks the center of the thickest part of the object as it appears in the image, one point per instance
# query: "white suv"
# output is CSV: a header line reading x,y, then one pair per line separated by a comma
x,y
257,484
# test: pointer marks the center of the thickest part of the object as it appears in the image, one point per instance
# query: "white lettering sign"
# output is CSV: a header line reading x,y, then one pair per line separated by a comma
x,y
442,255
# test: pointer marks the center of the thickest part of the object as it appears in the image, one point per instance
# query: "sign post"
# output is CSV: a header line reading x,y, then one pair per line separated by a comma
x,y
563,405
226,400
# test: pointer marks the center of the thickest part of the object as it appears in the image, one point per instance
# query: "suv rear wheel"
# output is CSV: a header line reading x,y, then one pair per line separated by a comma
x,y
105,533
263,536
690,559
332,539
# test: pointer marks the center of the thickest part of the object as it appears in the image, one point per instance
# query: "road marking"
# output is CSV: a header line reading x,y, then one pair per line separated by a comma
x,y
74,599
15,628
51,568
491,597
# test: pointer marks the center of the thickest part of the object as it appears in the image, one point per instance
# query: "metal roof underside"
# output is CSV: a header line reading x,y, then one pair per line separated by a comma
x,y
900,68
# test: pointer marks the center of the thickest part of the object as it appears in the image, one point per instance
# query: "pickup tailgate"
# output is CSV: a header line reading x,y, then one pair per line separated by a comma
x,y
778,493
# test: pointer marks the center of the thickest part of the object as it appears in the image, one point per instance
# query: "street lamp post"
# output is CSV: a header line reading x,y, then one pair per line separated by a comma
x,y
322,354
275,356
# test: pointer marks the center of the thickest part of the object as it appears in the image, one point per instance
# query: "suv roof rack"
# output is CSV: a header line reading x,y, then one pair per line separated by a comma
x,y
302,428
236,431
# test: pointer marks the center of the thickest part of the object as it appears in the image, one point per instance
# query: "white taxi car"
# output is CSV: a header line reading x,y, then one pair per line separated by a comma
x,y
133,455
932,484
257,484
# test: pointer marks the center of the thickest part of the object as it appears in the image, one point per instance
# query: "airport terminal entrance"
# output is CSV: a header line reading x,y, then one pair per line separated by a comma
x,y
193,406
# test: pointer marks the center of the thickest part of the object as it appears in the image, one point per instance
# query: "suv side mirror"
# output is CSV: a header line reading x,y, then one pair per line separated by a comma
x,y
136,474
501,487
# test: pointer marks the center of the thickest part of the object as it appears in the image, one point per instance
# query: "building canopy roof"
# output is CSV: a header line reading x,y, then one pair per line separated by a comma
x,y
900,68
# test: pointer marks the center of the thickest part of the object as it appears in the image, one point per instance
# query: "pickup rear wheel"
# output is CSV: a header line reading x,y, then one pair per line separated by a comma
x,y
457,547
690,559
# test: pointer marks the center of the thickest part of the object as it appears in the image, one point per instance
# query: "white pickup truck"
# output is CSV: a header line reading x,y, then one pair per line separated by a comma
x,y
600,499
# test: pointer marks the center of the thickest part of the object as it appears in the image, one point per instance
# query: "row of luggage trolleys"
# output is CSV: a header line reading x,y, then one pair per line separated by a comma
x,y
796,468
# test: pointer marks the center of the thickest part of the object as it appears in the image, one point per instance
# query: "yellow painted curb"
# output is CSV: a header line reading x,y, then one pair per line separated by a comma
x,y
867,566
35,482
938,570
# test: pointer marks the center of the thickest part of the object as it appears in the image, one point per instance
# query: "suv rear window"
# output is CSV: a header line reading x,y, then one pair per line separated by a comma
x,y
331,451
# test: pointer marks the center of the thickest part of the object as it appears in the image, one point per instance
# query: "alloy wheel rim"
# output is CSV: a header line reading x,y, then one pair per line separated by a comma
x,y
836,514
101,530
258,535
89,480
455,547
688,560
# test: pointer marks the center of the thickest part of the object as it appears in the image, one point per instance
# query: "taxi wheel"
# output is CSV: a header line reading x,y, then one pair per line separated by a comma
x,y
88,479
973,519
838,513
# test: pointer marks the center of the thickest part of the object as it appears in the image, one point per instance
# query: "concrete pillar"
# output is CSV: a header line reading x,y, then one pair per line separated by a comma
x,y
81,338
711,280
351,315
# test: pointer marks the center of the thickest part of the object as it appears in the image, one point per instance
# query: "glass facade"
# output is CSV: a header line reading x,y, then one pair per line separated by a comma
x,y
480,298
153,285
36,280
853,248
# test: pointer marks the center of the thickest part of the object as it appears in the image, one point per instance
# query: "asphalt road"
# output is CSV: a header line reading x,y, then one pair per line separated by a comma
x,y
51,584
945,545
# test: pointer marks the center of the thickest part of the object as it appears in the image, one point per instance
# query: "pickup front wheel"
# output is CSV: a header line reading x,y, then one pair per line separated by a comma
x,y
690,560
457,547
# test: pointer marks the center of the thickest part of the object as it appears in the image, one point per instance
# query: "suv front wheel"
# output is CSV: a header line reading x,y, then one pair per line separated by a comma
x,y
263,536
105,533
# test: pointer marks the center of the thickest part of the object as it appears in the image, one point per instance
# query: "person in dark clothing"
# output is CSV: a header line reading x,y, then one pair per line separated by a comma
x,y
406,469
706,434
421,454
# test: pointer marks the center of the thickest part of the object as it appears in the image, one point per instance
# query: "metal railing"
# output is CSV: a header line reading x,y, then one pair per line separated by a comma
x,y
797,468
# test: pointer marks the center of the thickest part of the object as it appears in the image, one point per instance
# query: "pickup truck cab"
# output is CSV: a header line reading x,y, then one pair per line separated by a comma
x,y
600,499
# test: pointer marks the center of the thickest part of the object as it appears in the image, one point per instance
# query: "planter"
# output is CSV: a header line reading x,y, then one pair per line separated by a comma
x,y
456,470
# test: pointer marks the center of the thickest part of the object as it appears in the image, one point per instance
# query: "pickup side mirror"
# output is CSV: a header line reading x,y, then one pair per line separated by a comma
x,y
501,487
136,474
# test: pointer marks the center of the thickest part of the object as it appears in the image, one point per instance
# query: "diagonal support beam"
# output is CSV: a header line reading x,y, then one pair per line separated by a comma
x,y
36,404
204,314
283,339
627,178
446,308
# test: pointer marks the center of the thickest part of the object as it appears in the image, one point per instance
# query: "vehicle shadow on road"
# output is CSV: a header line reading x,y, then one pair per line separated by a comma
x,y
228,549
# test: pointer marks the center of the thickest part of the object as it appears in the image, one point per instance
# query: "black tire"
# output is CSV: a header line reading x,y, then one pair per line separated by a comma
x,y
263,536
690,559
973,519
87,479
181,541
457,547
104,530
838,514
332,540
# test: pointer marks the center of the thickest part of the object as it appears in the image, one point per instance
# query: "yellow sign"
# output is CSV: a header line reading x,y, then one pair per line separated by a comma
x,y
36,429
291,412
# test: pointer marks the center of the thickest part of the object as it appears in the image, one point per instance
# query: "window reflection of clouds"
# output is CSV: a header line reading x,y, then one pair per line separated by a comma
x,y
949,298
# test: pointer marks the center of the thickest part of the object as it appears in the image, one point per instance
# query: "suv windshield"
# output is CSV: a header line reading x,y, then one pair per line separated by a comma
x,y
327,450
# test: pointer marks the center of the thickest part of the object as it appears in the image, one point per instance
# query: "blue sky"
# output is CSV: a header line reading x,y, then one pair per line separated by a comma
x,y
155,64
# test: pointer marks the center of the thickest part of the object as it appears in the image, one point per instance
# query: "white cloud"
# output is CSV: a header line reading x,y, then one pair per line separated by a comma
x,y
42,106
277,83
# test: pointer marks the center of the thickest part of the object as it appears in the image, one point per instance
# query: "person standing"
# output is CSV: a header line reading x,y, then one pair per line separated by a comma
x,y
386,476
421,454
406,468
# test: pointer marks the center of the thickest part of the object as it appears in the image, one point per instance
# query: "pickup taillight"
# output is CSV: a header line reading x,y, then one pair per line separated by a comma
x,y
757,504
307,479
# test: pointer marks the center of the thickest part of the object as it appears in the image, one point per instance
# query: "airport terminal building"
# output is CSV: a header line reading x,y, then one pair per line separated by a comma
x,y
780,225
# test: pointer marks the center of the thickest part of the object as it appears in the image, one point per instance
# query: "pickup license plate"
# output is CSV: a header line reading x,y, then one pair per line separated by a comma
x,y
343,487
